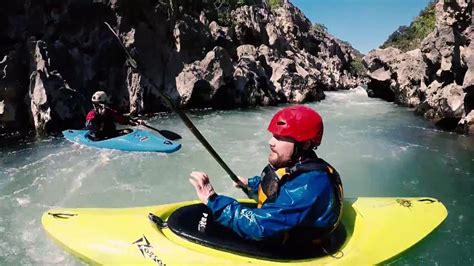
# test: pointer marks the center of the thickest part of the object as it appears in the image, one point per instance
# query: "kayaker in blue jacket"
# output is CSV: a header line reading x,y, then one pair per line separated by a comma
x,y
100,121
299,195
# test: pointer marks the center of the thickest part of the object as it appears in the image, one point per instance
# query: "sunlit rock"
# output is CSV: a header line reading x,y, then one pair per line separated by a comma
x,y
436,79
190,50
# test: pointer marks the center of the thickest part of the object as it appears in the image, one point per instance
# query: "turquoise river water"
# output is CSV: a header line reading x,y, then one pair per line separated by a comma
x,y
379,149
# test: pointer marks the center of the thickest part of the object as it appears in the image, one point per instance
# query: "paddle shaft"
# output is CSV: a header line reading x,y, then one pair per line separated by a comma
x,y
189,124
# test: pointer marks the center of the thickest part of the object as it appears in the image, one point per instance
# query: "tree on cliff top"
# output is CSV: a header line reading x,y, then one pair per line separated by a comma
x,y
409,38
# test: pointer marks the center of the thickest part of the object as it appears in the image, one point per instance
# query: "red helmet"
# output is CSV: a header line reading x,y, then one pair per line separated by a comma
x,y
298,122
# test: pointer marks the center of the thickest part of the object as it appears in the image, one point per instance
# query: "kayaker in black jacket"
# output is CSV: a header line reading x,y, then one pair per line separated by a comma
x,y
100,121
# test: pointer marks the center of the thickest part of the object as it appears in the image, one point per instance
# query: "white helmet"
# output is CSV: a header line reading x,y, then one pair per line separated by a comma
x,y
99,97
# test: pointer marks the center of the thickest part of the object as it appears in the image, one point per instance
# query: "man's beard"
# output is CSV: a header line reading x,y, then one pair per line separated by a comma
x,y
276,160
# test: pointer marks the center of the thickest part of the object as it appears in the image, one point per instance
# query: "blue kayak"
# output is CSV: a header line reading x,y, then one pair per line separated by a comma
x,y
136,140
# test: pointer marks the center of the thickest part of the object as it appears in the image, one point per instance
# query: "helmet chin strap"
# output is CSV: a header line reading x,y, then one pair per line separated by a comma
x,y
297,150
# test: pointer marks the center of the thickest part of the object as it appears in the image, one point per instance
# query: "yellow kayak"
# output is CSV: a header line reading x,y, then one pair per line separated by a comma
x,y
375,230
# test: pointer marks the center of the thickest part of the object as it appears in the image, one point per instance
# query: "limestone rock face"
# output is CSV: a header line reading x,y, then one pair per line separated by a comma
x,y
55,54
395,76
52,101
466,124
203,81
436,79
13,89
250,24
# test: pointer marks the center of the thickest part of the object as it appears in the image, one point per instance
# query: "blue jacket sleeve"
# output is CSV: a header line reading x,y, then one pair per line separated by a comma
x,y
253,183
292,206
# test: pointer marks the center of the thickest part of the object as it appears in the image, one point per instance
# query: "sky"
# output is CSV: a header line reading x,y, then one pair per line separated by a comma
x,y
365,24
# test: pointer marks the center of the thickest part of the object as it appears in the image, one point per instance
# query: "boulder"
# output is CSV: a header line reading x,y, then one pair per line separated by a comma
x,y
200,81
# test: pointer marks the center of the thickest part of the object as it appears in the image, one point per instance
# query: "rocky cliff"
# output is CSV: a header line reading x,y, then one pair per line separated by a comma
x,y
55,53
437,79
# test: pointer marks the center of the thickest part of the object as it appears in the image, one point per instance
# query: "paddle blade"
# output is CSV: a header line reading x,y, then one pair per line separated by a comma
x,y
165,133
169,134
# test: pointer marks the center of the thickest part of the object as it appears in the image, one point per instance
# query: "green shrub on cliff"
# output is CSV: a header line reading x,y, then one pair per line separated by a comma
x,y
409,38
224,9
320,27
275,4
357,68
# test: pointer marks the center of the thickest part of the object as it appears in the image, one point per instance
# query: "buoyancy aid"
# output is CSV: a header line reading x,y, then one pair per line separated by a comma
x,y
101,123
102,126
272,179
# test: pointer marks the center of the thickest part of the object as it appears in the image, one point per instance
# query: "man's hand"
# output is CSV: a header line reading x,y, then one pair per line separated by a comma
x,y
137,122
203,187
244,181
101,109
